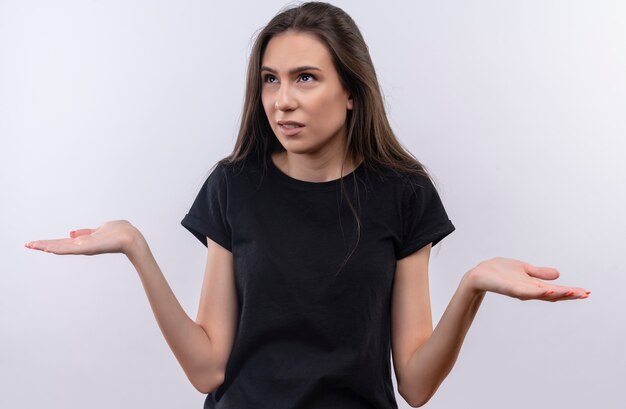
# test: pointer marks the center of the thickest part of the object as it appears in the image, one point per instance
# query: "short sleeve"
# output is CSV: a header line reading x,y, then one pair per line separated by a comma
x,y
208,216
424,218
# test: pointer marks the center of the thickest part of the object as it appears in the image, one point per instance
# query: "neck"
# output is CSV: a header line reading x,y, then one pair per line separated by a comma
x,y
322,168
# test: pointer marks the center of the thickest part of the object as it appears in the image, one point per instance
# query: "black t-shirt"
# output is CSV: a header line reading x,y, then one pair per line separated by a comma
x,y
312,335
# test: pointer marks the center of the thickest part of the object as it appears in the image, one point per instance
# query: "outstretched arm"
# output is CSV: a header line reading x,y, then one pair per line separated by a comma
x,y
422,371
188,341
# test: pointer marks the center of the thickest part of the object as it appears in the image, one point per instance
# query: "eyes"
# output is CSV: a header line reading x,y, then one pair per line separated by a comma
x,y
304,77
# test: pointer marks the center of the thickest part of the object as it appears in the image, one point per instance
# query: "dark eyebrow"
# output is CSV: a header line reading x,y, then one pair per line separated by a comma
x,y
293,70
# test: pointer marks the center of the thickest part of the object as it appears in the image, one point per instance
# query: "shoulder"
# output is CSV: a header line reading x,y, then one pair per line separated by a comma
x,y
416,182
230,169
400,181
238,176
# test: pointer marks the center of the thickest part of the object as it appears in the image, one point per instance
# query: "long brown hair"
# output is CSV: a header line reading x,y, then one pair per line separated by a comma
x,y
369,134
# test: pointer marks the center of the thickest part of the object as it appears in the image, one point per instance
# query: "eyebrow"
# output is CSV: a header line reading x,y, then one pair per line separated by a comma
x,y
293,70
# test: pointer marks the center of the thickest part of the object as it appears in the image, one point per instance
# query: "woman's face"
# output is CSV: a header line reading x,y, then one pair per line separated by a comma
x,y
303,99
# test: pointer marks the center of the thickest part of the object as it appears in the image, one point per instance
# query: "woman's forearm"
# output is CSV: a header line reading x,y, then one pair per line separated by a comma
x,y
188,341
433,361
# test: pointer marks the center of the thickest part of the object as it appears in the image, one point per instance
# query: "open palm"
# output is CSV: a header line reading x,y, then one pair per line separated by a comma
x,y
521,280
111,237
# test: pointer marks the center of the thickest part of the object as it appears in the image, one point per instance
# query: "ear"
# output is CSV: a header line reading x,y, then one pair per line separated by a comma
x,y
349,104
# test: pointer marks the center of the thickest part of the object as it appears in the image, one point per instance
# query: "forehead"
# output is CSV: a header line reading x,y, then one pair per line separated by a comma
x,y
291,49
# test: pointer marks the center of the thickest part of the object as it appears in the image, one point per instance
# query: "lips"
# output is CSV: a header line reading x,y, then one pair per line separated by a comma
x,y
290,128
290,124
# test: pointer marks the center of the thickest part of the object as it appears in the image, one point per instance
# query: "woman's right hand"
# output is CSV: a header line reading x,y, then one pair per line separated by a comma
x,y
117,236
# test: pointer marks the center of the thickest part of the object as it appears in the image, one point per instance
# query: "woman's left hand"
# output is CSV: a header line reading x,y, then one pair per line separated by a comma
x,y
520,280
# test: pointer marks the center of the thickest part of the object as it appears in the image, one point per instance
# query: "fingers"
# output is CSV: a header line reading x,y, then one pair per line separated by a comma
x,y
564,293
32,245
545,273
548,292
80,232
42,245
61,246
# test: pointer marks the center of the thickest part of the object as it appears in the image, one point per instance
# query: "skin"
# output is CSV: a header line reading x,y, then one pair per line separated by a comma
x,y
423,357
314,97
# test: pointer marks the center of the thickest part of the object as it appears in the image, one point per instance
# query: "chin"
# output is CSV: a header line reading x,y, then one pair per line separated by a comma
x,y
298,150
296,147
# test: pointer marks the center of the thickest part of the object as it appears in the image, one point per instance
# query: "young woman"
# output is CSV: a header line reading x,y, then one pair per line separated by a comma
x,y
319,227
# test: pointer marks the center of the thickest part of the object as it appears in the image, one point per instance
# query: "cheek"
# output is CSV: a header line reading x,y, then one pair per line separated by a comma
x,y
332,109
322,98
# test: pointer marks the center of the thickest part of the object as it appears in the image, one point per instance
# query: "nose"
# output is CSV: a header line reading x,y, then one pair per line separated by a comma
x,y
285,101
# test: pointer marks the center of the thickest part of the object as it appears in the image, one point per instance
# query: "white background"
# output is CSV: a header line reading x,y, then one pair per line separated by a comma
x,y
117,110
